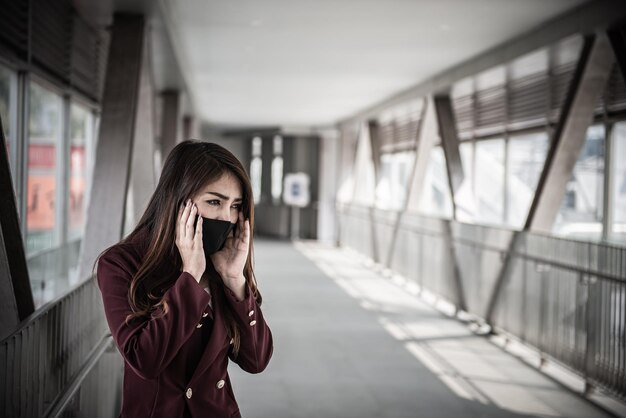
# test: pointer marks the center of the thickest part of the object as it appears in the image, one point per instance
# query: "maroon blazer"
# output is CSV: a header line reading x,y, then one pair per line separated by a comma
x,y
176,365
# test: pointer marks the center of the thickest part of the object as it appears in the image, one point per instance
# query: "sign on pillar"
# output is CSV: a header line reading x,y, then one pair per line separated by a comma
x,y
296,194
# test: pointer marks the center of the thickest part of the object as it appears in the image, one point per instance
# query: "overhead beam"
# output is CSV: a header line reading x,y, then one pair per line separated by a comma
x,y
587,18
617,36
111,175
16,298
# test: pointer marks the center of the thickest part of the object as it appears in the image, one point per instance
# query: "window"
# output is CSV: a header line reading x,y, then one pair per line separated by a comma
x,y
8,113
436,199
465,198
581,209
256,167
526,157
277,169
618,181
44,133
395,171
81,149
489,187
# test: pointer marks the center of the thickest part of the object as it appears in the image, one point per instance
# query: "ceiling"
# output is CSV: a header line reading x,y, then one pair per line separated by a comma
x,y
314,63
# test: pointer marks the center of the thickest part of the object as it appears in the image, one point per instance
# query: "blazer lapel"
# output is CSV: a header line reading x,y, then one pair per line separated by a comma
x,y
219,336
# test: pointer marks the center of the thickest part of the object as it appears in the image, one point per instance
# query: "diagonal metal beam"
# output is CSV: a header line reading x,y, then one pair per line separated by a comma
x,y
588,83
590,77
374,137
111,175
425,138
450,144
16,298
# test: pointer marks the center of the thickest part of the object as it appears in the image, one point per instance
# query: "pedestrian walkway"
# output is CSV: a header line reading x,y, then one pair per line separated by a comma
x,y
350,343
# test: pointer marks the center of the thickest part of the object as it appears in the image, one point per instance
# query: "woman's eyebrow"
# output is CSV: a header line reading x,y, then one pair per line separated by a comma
x,y
223,196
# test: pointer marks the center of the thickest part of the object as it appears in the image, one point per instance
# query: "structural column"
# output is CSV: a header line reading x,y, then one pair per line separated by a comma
x,y
111,176
142,178
169,121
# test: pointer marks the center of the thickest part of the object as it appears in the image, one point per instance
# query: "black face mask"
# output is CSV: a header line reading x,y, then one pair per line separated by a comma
x,y
214,234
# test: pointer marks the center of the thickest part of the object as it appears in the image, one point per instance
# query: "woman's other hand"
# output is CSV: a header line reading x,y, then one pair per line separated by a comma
x,y
189,240
230,260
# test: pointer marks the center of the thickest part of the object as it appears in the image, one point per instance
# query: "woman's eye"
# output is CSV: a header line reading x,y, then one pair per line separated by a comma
x,y
217,202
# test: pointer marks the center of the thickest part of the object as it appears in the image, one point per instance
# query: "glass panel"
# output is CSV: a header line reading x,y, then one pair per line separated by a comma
x,y
435,199
44,132
581,209
529,64
395,170
489,187
257,143
8,91
527,154
278,145
256,166
618,180
81,132
277,178
466,201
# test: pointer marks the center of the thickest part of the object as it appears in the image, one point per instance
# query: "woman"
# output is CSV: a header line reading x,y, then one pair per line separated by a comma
x,y
179,292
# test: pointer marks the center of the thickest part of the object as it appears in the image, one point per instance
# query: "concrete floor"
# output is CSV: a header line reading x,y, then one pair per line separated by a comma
x,y
350,343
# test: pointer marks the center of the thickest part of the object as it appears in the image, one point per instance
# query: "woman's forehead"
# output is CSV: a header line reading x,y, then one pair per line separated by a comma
x,y
227,184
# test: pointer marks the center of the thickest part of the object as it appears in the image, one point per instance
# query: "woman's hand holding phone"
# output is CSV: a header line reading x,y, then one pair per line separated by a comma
x,y
189,240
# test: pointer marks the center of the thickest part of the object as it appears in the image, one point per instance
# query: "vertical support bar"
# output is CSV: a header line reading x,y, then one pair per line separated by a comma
x,y
106,211
63,173
374,134
23,104
169,121
607,192
190,127
374,138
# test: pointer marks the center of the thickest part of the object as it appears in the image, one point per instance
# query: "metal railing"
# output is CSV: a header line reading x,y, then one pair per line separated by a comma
x,y
565,297
57,356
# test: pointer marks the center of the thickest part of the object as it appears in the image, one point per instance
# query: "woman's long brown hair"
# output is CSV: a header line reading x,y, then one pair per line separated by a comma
x,y
189,167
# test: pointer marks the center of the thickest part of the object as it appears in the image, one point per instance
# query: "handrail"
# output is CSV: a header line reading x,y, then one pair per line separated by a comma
x,y
44,309
58,406
563,296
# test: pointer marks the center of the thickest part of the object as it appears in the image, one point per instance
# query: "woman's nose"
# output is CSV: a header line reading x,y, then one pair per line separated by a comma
x,y
224,213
